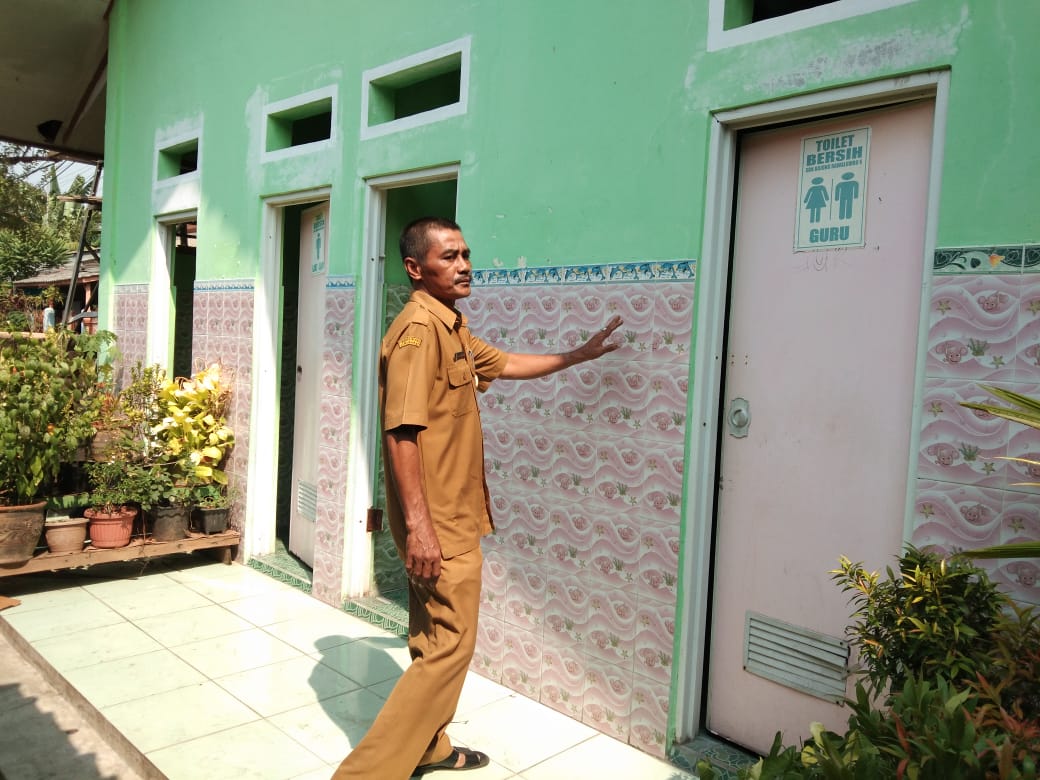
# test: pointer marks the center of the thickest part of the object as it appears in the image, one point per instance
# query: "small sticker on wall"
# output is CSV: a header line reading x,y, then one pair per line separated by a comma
x,y
832,191
320,236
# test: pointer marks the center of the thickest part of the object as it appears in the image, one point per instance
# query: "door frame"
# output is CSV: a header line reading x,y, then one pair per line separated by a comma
x,y
712,291
258,538
364,429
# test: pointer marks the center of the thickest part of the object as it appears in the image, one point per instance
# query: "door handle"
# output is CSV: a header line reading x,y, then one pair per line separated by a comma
x,y
739,418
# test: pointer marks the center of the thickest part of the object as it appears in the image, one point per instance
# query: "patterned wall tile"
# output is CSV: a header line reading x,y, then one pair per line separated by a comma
x,y
563,678
949,517
610,633
522,661
649,717
607,702
958,444
974,323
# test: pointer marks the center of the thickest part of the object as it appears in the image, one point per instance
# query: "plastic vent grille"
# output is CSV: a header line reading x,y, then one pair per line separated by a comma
x,y
796,657
307,500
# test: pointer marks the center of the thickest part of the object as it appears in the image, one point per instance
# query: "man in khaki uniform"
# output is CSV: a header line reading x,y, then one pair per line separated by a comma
x,y
430,368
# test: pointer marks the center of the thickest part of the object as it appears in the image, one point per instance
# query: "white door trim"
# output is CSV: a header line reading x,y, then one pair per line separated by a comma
x,y
364,428
258,538
712,273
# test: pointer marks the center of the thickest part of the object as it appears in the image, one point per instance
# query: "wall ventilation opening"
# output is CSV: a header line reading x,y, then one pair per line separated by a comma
x,y
178,160
432,85
742,12
307,123
796,657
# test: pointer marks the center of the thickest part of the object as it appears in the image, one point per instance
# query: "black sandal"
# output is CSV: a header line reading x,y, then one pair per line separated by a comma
x,y
474,760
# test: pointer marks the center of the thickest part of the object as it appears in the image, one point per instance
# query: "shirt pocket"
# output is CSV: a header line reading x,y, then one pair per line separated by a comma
x,y
460,395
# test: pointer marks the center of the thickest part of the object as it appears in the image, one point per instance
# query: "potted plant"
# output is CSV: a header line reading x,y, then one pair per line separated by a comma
x,y
65,528
212,507
171,512
50,394
119,488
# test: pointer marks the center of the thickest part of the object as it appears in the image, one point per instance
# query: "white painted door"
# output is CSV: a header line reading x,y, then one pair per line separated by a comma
x,y
314,238
822,347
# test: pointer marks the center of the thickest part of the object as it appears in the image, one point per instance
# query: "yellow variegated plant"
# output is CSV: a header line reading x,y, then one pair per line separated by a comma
x,y
193,427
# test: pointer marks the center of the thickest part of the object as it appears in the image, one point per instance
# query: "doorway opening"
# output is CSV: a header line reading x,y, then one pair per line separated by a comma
x,y
378,585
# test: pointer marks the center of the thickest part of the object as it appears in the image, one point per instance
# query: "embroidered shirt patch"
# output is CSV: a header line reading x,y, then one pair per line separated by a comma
x,y
412,341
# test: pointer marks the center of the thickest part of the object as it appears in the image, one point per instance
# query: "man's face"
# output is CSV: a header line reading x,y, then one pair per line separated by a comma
x,y
445,271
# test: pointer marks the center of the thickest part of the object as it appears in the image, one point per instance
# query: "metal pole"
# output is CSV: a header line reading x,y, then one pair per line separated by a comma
x,y
82,244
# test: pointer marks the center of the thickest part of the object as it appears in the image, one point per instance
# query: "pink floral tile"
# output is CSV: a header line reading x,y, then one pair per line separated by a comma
x,y
649,717
495,580
563,679
1020,579
973,327
525,597
487,658
658,570
328,528
566,609
570,539
334,422
614,556
607,702
1027,345
654,640
673,321
949,517
610,633
959,444
332,474
522,661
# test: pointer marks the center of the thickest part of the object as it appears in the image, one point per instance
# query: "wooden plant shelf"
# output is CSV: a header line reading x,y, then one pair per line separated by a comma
x,y
138,548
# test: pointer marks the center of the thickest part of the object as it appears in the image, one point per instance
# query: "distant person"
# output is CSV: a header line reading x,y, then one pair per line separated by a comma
x,y
48,317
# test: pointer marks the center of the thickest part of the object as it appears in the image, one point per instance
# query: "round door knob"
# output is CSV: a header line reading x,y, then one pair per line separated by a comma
x,y
738,418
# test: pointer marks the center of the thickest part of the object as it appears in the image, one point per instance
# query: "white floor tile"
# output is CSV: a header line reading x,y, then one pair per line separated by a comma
x,y
95,645
479,692
111,586
192,625
276,607
134,677
612,760
317,631
330,727
234,587
286,685
519,733
61,619
38,595
364,663
171,597
224,655
172,717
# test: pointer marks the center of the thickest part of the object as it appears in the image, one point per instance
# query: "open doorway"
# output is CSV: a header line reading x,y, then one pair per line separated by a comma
x,y
378,585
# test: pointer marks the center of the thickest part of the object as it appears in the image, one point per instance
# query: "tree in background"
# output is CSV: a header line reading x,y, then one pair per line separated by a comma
x,y
37,231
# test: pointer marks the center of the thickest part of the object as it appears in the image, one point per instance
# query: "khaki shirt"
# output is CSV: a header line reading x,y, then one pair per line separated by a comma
x,y
429,369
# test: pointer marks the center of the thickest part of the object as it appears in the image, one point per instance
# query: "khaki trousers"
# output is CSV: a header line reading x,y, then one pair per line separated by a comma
x,y
442,635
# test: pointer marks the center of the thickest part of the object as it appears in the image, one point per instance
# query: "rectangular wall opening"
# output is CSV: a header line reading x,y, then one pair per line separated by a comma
x,y
178,159
426,87
302,124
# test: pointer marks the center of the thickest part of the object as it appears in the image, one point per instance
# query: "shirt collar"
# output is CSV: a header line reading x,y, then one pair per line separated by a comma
x,y
449,315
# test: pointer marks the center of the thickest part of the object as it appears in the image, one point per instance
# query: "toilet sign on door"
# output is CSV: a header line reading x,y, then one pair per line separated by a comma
x,y
832,195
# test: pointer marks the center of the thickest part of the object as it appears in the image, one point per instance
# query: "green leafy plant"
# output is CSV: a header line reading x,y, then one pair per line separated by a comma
x,y
926,619
51,392
1024,410
117,483
951,687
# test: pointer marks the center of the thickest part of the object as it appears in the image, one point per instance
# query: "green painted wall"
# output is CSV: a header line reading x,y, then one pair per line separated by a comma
x,y
586,137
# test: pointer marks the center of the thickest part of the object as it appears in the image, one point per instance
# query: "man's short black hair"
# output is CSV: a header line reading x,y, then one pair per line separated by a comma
x,y
415,238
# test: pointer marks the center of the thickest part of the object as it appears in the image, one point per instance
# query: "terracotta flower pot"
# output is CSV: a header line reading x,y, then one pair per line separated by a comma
x,y
20,528
65,534
111,529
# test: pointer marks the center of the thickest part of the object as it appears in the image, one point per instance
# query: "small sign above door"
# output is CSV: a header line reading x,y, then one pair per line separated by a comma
x,y
832,191
320,236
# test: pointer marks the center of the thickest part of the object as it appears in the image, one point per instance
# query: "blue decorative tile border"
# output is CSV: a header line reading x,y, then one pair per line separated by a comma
x,y
131,289
1016,258
340,283
584,274
225,285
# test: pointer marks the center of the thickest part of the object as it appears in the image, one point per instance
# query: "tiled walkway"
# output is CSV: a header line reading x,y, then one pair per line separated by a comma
x,y
215,671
